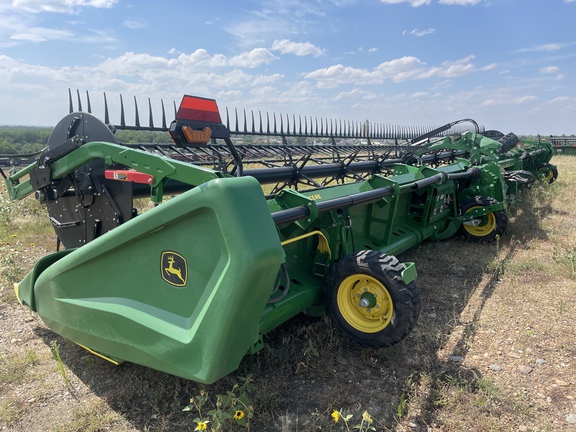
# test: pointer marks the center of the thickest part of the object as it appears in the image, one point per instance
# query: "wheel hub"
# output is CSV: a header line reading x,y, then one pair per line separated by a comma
x,y
365,303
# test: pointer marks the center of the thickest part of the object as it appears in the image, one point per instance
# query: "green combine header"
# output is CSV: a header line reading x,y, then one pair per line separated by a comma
x,y
253,234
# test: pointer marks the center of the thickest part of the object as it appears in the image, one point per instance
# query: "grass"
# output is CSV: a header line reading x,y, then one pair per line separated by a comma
x,y
94,416
61,368
18,367
506,303
8,412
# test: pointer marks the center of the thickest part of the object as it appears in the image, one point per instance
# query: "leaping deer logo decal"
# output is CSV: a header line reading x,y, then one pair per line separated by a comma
x,y
174,268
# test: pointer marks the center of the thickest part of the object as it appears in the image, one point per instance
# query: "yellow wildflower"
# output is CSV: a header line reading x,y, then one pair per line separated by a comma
x,y
238,415
31,244
366,417
202,425
336,416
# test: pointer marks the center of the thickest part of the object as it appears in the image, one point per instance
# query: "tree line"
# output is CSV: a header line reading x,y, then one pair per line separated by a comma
x,y
15,140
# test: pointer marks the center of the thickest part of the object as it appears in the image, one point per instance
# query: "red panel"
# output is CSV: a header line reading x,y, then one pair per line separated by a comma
x,y
199,109
129,176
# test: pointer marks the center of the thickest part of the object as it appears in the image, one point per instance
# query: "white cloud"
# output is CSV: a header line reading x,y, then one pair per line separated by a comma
x,y
560,99
550,70
133,24
252,59
549,47
397,70
286,46
420,33
356,94
39,34
491,102
525,99
282,19
451,68
198,69
417,3
61,6
460,2
413,3
18,26
374,49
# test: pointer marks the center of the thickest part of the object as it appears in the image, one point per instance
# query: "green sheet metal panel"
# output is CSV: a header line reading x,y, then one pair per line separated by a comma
x,y
180,288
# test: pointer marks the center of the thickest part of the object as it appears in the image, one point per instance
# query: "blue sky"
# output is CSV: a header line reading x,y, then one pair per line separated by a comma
x,y
508,64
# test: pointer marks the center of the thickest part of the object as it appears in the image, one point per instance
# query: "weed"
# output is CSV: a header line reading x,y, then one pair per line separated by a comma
x,y
487,387
311,350
366,421
497,265
15,369
56,355
94,417
11,265
6,210
408,390
227,410
8,412
566,258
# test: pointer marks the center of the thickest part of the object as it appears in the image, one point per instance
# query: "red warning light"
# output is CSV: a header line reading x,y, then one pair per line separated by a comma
x,y
198,109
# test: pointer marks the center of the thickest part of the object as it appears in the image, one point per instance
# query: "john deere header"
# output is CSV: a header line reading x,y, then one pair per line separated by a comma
x,y
253,234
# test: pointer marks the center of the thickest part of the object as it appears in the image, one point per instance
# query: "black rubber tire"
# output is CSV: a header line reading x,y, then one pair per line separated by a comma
x,y
493,134
493,224
552,172
508,142
375,270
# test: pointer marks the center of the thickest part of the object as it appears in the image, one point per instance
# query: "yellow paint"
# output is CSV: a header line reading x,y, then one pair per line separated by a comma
x,y
98,354
367,319
17,291
485,228
322,243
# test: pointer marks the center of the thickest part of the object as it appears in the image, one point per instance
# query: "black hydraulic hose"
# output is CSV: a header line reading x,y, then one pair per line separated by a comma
x,y
235,156
473,172
519,176
277,287
446,127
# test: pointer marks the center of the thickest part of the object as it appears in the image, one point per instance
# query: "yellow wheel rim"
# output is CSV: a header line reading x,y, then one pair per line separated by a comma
x,y
365,303
487,225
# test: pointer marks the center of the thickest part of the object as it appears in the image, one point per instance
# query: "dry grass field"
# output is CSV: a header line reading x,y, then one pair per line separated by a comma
x,y
494,349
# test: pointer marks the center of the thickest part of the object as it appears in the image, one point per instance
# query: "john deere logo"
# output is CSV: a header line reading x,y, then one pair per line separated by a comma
x,y
174,268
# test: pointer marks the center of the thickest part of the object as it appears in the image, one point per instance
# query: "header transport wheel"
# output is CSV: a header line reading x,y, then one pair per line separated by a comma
x,y
487,227
550,172
368,301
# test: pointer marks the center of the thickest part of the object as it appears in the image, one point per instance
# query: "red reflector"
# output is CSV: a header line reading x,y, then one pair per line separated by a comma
x,y
129,176
199,109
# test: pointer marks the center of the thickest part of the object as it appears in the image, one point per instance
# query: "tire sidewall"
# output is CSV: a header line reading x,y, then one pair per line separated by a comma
x,y
501,218
405,299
